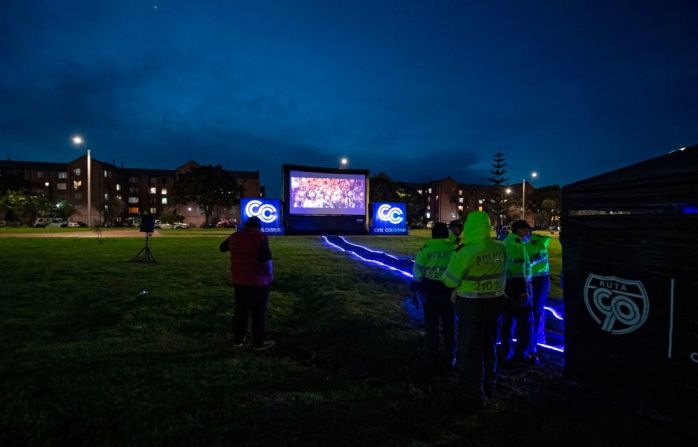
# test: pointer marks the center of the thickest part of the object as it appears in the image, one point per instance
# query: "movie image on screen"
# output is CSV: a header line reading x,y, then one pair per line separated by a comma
x,y
323,193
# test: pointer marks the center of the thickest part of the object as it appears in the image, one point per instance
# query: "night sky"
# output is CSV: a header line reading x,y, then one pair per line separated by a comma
x,y
415,89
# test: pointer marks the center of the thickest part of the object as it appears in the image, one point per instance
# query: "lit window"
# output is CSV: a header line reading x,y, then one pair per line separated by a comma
x,y
118,187
133,210
46,184
106,173
62,186
429,190
133,200
460,192
118,197
106,196
164,200
419,191
460,207
437,197
164,191
428,207
153,190
460,199
77,184
76,171
62,175
428,215
153,210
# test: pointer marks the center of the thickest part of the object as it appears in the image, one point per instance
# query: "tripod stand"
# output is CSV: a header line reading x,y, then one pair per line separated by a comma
x,y
145,255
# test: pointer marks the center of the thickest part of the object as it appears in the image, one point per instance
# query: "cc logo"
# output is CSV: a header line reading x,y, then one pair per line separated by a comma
x,y
265,212
394,215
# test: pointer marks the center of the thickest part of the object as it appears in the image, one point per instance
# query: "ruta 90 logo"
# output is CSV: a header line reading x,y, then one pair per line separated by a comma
x,y
266,212
392,214
619,306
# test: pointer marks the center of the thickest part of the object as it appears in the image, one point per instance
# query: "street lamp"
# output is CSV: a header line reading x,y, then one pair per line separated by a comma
x,y
344,161
534,174
78,141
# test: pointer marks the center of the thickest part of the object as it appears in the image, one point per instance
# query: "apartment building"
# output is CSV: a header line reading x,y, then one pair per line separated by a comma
x,y
445,200
117,192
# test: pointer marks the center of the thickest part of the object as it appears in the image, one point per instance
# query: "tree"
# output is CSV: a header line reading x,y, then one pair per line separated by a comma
x,y
23,207
416,206
498,170
546,202
498,180
113,209
169,216
212,188
383,189
65,209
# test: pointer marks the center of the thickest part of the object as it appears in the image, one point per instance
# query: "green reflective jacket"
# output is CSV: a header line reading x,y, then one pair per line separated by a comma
x,y
478,266
537,249
432,259
519,264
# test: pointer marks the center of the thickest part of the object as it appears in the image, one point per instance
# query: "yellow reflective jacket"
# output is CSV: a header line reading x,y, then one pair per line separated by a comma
x,y
537,249
432,259
519,264
478,266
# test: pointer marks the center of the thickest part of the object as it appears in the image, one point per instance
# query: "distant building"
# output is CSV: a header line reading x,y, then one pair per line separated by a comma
x,y
118,192
445,200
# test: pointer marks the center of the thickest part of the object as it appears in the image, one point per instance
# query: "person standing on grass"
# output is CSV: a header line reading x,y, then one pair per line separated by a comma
x,y
251,275
517,321
429,265
537,249
477,272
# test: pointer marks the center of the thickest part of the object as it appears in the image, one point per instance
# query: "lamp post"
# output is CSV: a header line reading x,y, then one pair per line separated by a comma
x,y
534,174
78,141
343,162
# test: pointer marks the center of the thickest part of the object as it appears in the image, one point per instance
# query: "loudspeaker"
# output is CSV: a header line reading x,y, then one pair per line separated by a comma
x,y
147,224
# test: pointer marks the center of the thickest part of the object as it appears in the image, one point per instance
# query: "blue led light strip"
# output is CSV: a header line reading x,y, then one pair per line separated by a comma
x,y
368,249
553,311
409,275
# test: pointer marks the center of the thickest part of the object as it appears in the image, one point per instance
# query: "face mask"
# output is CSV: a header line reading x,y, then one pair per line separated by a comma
x,y
525,237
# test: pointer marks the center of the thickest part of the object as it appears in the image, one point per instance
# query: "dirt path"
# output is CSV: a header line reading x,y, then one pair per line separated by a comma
x,y
82,234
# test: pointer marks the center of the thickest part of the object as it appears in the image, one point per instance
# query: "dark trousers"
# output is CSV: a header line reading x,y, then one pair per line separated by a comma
x,y
250,300
477,348
541,289
438,308
517,320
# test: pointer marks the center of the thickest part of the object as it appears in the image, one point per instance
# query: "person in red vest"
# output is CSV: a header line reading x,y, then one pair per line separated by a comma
x,y
251,273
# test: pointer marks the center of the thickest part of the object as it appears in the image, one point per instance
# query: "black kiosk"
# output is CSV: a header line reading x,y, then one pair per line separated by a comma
x,y
630,240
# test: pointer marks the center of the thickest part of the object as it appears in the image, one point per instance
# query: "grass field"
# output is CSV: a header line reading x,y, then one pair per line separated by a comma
x,y
97,350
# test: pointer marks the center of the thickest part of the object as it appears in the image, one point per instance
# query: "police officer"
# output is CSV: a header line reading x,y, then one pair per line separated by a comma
x,y
455,228
429,265
537,249
477,272
517,321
